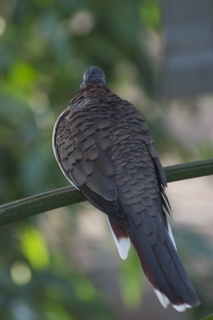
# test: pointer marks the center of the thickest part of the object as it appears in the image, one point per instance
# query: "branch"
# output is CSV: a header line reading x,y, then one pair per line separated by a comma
x,y
189,170
50,200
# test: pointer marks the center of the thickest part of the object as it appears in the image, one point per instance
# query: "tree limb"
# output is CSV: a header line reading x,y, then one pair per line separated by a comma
x,y
50,200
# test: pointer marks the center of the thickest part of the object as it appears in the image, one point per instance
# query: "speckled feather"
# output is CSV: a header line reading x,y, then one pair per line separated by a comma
x,y
104,148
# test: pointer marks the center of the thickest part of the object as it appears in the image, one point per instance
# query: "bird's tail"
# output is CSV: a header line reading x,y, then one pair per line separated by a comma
x,y
164,269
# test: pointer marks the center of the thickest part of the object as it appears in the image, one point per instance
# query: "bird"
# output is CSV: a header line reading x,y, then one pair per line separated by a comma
x,y
104,148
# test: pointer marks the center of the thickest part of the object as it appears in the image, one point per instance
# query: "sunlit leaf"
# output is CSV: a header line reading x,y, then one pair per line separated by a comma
x,y
150,13
21,78
56,312
34,248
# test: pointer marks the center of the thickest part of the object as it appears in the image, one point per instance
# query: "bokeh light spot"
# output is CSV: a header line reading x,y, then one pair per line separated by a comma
x,y
81,23
2,25
20,273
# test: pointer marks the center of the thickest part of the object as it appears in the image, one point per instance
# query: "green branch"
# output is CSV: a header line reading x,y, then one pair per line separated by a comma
x,y
189,170
27,207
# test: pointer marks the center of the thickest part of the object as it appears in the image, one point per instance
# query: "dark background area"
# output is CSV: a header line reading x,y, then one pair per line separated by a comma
x,y
63,264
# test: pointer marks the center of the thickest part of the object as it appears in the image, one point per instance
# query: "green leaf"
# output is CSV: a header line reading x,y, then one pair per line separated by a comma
x,y
132,281
34,248
150,14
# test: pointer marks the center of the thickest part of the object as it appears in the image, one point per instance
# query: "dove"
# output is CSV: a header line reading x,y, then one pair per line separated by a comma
x,y
105,150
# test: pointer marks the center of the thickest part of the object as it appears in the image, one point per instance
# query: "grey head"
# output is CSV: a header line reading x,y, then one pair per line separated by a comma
x,y
93,75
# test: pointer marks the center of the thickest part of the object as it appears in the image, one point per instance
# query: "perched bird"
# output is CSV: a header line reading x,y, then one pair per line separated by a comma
x,y
104,148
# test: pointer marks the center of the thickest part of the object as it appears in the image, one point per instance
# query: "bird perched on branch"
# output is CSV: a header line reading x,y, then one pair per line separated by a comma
x,y
104,148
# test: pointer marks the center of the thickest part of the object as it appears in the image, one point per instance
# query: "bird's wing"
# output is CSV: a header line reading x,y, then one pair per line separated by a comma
x,y
81,141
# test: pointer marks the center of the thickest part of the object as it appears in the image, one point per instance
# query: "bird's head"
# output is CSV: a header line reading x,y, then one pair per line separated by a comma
x,y
93,75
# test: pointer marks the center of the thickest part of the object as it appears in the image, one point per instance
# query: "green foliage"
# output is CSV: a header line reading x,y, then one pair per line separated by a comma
x,y
150,14
132,281
35,285
34,248
45,47
208,318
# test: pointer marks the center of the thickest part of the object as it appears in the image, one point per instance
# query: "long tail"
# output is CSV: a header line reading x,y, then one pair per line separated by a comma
x,y
164,269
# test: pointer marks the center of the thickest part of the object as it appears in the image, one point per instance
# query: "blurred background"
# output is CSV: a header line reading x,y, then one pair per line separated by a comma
x,y
63,264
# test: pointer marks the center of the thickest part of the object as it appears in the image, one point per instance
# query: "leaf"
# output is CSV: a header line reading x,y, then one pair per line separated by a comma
x,y
34,248
150,14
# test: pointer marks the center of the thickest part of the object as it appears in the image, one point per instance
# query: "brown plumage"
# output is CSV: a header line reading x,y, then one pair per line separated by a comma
x,y
104,148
